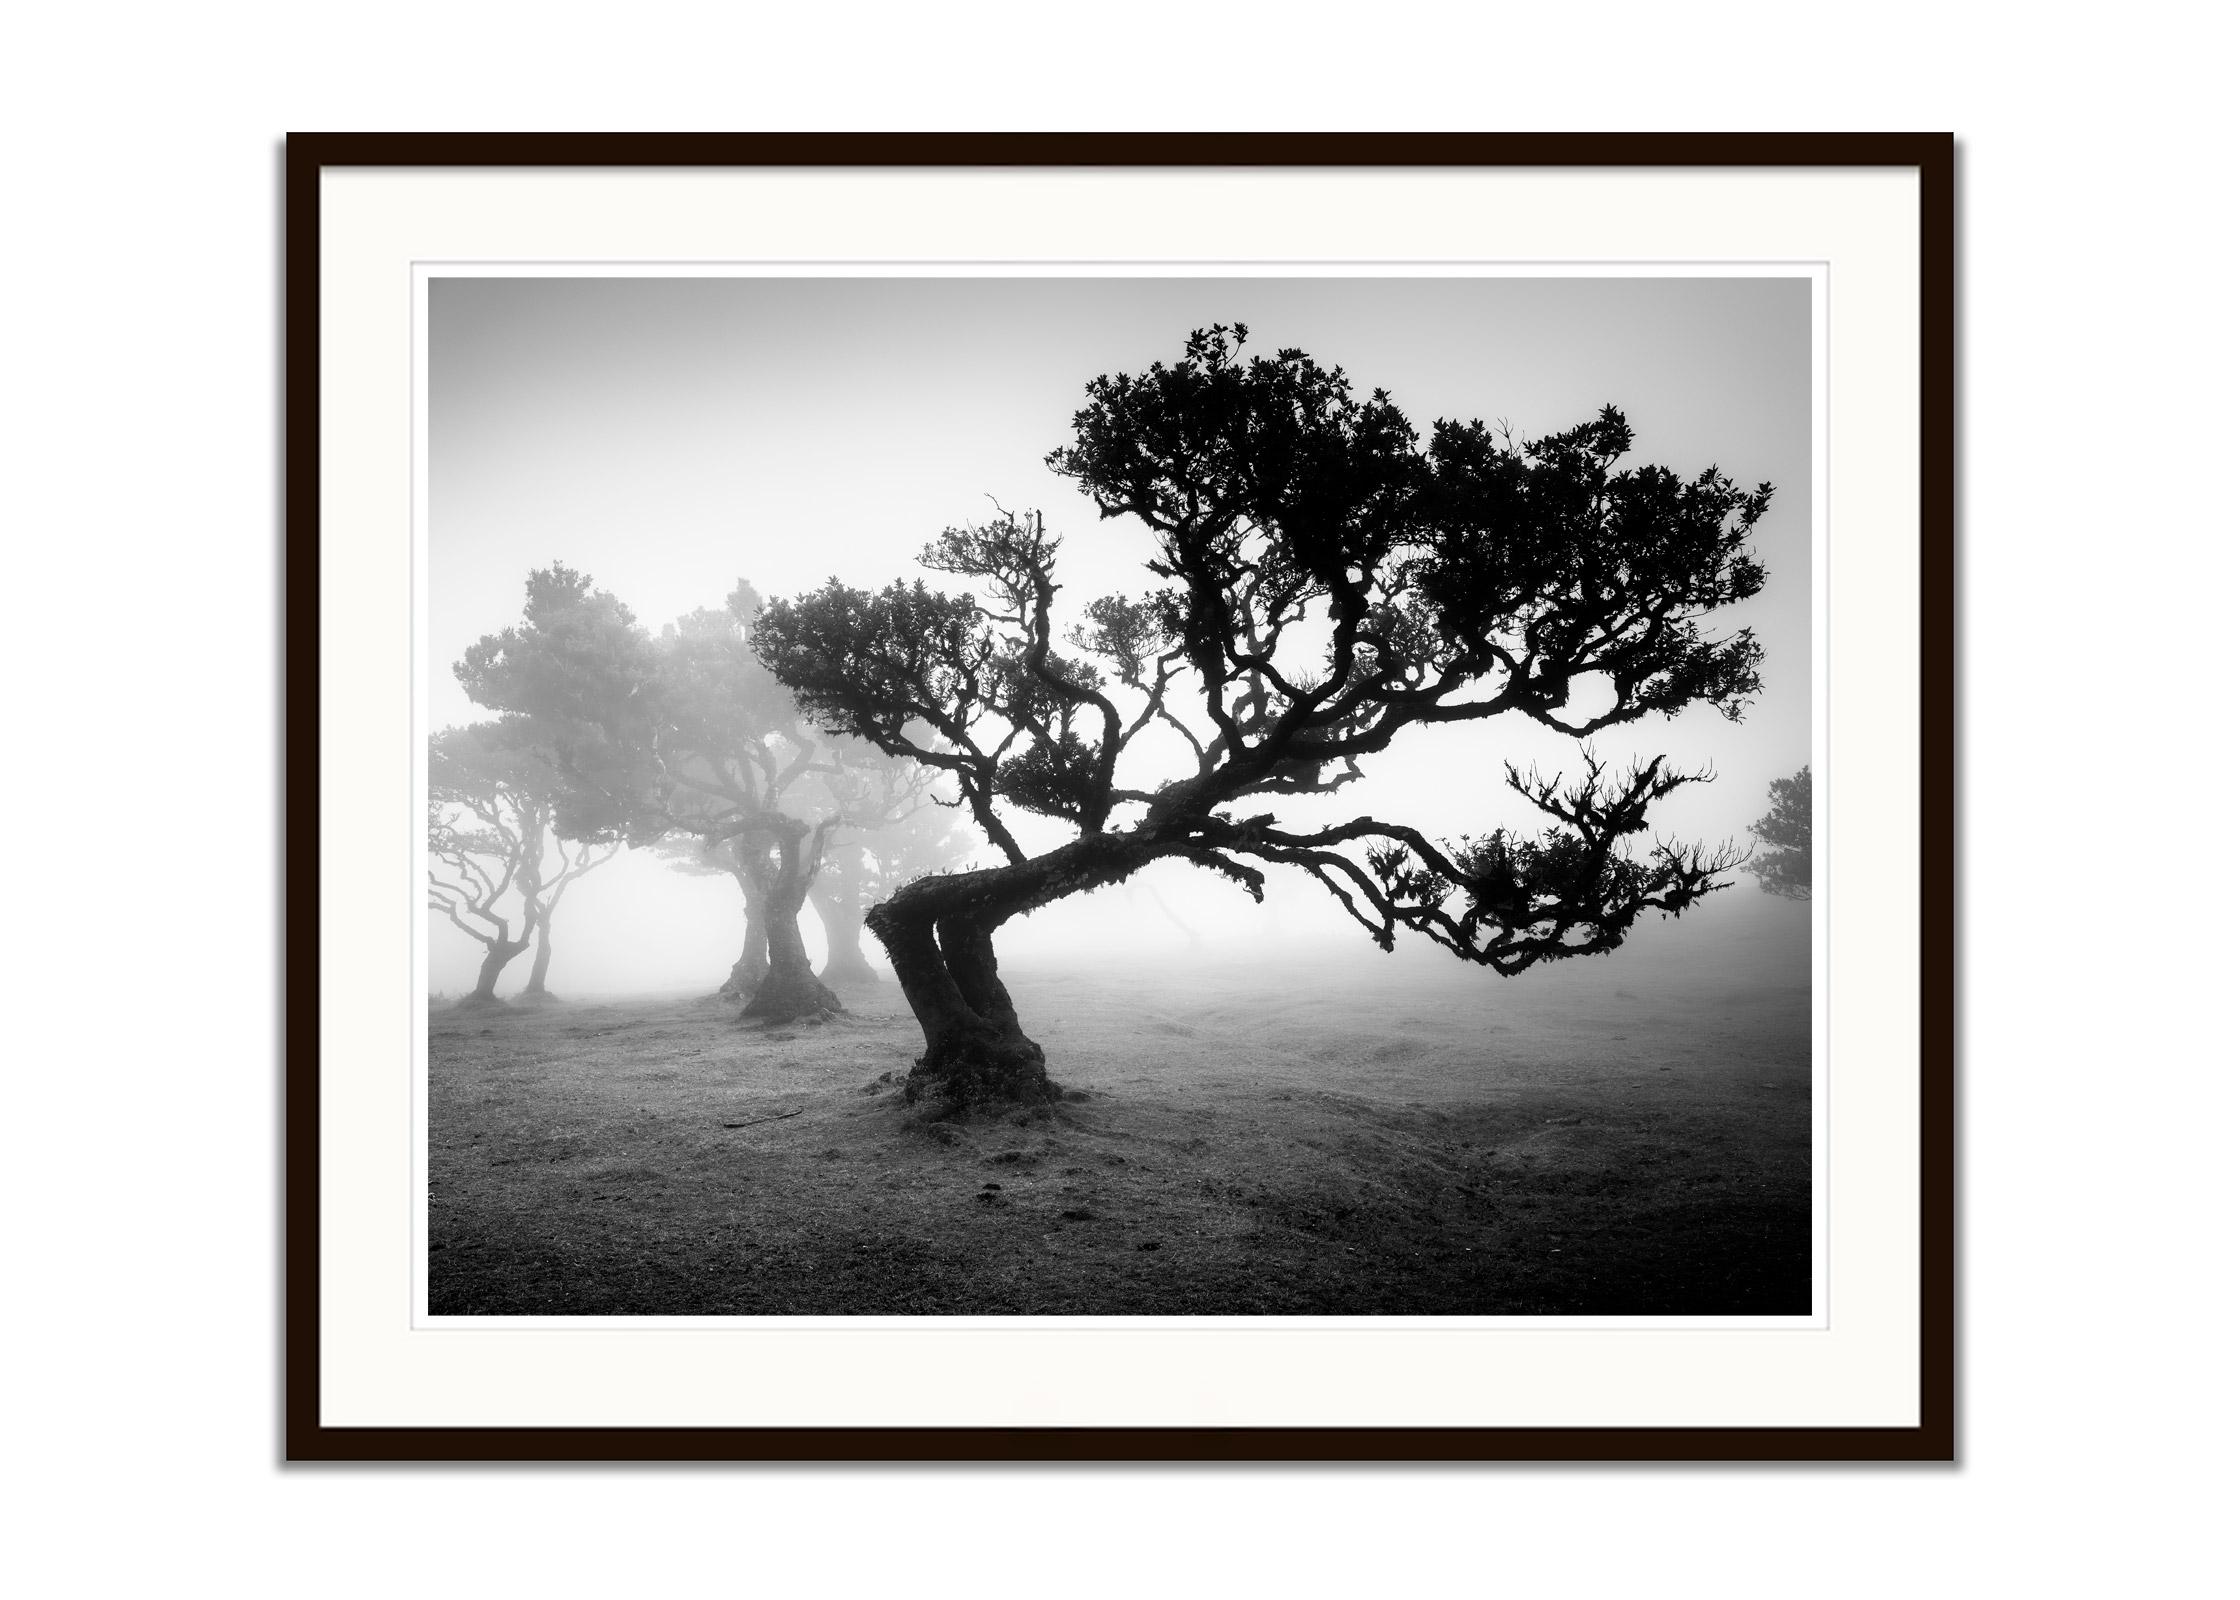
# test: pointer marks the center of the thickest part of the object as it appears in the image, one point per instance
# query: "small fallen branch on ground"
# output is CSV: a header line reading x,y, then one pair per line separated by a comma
x,y
780,1117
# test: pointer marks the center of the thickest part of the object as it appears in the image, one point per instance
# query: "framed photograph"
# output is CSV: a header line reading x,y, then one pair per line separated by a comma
x,y
1120,797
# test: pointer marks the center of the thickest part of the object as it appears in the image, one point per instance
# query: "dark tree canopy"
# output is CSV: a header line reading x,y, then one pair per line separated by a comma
x,y
1326,579
1782,861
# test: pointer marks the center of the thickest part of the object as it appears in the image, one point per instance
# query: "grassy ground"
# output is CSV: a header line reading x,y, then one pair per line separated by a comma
x,y
1397,1139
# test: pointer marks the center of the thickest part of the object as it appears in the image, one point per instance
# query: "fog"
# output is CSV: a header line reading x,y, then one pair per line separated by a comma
x,y
636,927
670,437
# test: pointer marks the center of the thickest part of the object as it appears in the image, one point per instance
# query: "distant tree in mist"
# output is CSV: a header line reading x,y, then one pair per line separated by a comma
x,y
1326,581
728,764
734,764
1782,860
854,867
870,865
497,866
689,743
575,675
698,857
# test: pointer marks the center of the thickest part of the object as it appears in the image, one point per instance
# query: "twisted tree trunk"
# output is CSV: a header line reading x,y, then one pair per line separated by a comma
x,y
528,878
791,989
972,1055
535,992
496,954
838,898
939,933
753,964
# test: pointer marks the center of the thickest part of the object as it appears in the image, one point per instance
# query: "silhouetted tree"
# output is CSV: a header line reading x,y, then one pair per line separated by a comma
x,y
493,854
1782,860
1326,582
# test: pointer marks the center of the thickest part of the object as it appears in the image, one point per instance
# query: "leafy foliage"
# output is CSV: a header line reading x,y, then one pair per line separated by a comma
x,y
575,676
1326,580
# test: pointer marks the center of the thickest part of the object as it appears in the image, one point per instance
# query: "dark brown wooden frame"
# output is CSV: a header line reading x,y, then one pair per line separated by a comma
x,y
306,1439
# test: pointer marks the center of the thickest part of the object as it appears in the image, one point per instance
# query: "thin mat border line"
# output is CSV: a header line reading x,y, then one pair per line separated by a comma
x,y
423,271
1931,155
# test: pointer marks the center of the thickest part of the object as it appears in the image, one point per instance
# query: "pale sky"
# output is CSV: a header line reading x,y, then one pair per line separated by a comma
x,y
671,436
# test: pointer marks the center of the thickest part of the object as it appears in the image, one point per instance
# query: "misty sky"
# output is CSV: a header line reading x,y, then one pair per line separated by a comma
x,y
671,436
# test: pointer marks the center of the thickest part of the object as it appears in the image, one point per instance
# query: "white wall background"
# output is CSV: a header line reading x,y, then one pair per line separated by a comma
x,y
140,432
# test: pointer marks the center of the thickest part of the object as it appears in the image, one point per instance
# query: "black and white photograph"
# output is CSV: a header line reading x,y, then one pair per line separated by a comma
x,y
1177,801
1065,794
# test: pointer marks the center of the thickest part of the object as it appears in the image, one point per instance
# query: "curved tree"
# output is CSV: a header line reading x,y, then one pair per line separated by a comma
x,y
1782,860
1326,581
494,855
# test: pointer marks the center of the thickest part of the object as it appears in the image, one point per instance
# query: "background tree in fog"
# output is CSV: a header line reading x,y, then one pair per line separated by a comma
x,y
686,736
731,764
689,739
497,866
868,865
706,858
1782,859
575,675
1325,580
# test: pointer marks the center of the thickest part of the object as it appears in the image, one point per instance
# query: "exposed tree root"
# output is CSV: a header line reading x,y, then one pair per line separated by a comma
x,y
981,1067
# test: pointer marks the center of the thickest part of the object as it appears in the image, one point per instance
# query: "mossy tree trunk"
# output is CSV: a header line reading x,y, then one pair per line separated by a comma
x,y
972,1054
